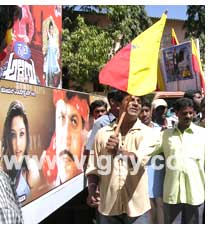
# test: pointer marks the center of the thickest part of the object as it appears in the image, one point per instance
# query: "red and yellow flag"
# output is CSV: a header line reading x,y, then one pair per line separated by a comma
x,y
134,68
197,66
174,40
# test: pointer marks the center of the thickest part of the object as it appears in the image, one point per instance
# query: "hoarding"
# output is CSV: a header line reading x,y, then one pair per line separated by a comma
x,y
177,68
42,138
34,55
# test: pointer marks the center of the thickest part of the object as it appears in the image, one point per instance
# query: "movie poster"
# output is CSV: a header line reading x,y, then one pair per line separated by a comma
x,y
42,137
177,68
34,55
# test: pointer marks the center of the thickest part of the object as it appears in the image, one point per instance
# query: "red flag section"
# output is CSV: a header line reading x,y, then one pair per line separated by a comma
x,y
118,66
134,68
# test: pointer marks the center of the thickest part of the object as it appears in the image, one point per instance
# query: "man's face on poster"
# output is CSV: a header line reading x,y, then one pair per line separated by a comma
x,y
69,139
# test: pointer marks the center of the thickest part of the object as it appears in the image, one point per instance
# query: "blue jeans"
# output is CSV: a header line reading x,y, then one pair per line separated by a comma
x,y
124,219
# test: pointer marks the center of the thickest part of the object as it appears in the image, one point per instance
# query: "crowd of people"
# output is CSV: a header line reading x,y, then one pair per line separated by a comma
x,y
166,154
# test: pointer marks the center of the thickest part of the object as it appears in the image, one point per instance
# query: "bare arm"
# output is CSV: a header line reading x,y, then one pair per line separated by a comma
x,y
93,198
33,174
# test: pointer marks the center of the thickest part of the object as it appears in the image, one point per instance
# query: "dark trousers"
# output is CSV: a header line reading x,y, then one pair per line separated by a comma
x,y
124,219
183,213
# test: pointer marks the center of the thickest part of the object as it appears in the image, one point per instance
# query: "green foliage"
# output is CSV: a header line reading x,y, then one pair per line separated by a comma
x,y
86,46
195,26
84,51
127,22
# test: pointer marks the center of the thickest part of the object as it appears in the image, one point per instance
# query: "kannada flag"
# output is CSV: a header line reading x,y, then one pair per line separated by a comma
x,y
134,68
197,67
174,40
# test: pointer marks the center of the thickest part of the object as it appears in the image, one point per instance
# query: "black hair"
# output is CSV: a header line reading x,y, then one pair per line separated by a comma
x,y
190,93
146,102
183,103
116,95
8,15
97,103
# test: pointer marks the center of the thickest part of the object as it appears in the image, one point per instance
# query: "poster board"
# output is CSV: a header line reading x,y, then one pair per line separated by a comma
x,y
34,55
57,124
177,68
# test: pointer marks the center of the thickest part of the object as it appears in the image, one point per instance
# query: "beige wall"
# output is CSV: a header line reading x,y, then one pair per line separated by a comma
x,y
178,27
103,21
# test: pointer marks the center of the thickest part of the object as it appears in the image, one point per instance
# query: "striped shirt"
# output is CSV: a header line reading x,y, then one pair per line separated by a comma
x,y
10,209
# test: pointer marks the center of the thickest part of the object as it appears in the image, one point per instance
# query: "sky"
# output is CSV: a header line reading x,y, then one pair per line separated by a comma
x,y
174,11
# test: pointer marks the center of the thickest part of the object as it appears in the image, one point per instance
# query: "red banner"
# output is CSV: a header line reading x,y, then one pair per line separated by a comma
x,y
35,53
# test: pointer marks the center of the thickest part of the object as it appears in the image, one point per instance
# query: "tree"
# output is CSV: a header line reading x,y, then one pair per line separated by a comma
x,y
127,22
83,52
195,26
87,46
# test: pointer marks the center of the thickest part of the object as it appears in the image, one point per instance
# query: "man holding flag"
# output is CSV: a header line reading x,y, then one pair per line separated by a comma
x,y
119,187
117,179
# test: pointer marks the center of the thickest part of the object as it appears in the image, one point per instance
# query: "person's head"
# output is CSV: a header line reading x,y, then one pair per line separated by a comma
x,y
115,98
16,137
185,112
196,96
72,111
146,114
159,109
8,15
98,108
131,105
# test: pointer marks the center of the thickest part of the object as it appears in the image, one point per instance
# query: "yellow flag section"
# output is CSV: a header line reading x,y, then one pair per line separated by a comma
x,y
197,66
144,59
160,79
174,40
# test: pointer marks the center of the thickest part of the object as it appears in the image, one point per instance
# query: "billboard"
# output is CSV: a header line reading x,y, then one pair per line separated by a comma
x,y
42,137
177,68
34,55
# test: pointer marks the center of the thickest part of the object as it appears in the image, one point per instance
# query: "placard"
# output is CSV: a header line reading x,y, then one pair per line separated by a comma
x,y
177,68
42,137
34,55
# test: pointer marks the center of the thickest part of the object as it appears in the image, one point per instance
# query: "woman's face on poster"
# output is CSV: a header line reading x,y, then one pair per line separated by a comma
x,y
18,137
51,30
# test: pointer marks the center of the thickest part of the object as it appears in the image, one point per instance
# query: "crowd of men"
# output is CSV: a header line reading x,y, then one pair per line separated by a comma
x,y
154,169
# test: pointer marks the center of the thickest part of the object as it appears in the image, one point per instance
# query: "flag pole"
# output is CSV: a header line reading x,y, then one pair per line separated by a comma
x,y
121,118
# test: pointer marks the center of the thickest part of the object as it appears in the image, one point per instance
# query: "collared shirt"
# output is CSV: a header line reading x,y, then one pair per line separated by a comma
x,y
185,157
98,124
122,189
10,210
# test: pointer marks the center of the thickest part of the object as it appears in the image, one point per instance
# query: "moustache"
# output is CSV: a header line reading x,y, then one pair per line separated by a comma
x,y
68,153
